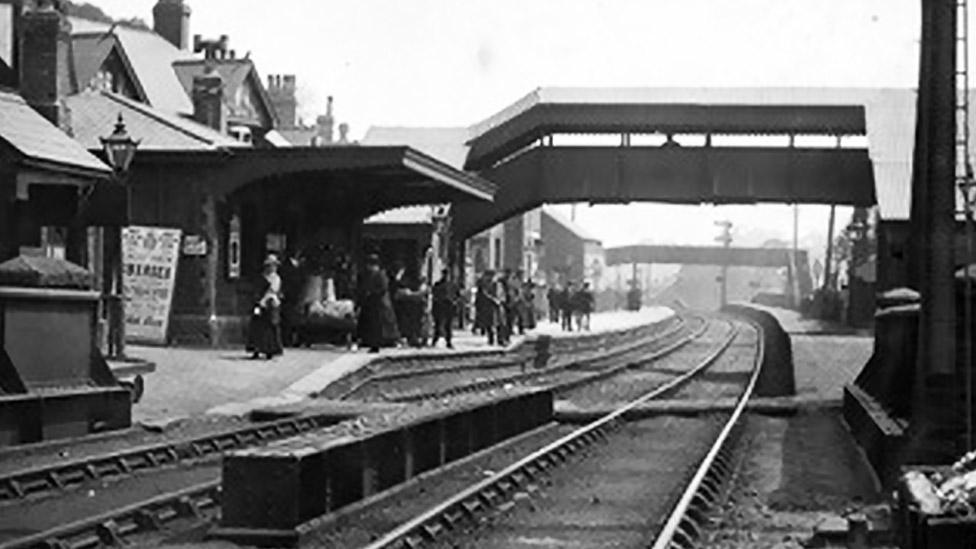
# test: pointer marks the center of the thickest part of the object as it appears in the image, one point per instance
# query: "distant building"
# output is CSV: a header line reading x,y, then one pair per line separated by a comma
x,y
569,252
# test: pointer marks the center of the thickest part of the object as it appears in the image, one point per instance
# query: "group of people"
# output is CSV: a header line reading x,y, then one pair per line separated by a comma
x,y
400,308
571,305
395,310
503,304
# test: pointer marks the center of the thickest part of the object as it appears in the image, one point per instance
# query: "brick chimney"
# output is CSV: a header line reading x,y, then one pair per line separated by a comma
x,y
171,20
45,65
325,124
281,89
208,99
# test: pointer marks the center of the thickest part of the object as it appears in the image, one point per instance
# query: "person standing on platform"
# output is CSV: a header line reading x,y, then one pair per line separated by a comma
x,y
528,305
292,283
515,302
445,298
486,306
376,324
584,306
264,331
553,296
566,303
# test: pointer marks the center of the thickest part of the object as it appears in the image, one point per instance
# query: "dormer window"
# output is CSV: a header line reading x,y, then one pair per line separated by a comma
x,y
241,133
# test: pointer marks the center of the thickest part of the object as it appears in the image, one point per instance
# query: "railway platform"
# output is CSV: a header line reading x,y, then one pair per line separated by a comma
x,y
803,475
189,382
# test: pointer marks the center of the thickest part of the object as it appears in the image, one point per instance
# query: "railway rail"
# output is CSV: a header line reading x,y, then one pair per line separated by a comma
x,y
198,502
496,494
442,382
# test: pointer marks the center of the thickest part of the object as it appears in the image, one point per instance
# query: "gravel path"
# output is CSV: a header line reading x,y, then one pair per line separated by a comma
x,y
797,472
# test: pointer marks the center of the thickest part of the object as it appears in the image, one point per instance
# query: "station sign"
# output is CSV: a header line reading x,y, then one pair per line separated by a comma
x,y
149,260
194,244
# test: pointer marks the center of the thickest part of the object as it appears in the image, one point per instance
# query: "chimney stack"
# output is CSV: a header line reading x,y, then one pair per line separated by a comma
x,y
281,89
45,67
171,20
325,124
208,99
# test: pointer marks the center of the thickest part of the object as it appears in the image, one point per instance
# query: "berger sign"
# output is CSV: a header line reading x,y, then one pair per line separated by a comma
x,y
149,256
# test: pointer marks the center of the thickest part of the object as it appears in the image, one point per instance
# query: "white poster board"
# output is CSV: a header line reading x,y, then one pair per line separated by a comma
x,y
149,256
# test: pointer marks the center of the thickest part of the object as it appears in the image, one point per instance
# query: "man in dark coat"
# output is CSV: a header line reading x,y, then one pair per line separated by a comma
x,y
445,297
486,306
553,296
584,306
377,322
566,306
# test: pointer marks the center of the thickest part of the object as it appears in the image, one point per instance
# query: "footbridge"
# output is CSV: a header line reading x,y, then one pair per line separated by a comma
x,y
682,146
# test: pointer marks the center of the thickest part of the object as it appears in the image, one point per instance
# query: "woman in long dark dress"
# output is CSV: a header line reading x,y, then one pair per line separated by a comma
x,y
377,323
264,330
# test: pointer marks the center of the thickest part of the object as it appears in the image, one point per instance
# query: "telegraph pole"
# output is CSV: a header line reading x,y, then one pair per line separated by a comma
x,y
726,239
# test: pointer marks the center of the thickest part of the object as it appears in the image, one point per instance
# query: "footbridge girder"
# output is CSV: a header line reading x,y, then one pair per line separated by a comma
x,y
679,175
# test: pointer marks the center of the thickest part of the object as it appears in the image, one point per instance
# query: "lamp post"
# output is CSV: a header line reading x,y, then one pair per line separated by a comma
x,y
119,149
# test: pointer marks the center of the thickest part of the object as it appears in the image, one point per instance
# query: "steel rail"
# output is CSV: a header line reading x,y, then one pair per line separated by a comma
x,y
522,377
677,532
109,528
63,475
429,523
621,349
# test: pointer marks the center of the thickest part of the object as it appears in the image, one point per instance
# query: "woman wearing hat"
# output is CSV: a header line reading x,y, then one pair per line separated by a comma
x,y
264,331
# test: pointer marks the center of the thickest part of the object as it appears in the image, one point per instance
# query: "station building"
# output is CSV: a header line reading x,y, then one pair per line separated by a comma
x,y
210,161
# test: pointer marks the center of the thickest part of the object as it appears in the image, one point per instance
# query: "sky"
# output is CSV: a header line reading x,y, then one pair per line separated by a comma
x,y
453,63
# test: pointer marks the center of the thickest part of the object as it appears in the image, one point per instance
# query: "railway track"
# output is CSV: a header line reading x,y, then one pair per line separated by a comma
x,y
187,469
551,497
443,382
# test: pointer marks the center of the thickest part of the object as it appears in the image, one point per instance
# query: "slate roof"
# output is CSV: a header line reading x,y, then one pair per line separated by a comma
x,y
235,73
569,225
94,113
448,145
32,136
298,137
151,58
89,51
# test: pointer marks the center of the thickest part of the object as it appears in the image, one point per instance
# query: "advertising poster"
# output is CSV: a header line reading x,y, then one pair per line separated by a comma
x,y
149,256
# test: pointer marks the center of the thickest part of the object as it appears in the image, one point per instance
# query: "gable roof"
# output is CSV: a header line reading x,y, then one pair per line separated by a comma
x,y
94,113
151,57
90,50
236,74
569,225
40,142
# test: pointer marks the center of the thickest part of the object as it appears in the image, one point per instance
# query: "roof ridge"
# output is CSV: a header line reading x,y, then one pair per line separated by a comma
x,y
157,116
